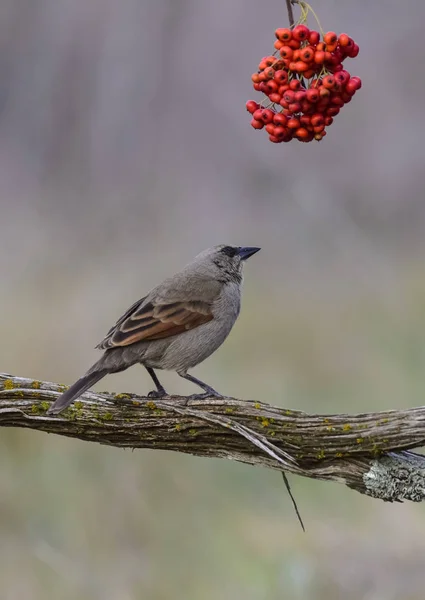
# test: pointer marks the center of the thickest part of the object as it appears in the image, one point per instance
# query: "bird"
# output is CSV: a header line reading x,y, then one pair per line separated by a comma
x,y
176,326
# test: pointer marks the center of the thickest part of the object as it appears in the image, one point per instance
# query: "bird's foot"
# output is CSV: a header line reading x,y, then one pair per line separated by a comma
x,y
157,393
210,394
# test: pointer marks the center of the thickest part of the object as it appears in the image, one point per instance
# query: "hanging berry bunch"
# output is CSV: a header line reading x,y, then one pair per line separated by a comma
x,y
303,82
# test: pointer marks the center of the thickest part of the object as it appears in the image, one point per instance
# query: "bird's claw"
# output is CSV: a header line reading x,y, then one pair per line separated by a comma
x,y
204,395
157,394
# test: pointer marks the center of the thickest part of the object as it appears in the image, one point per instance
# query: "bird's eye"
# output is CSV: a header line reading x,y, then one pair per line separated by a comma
x,y
229,251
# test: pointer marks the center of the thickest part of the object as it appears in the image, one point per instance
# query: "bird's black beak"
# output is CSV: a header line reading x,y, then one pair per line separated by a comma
x,y
247,251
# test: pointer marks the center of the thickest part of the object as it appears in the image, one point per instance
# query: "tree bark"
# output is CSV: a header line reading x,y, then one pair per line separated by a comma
x,y
368,452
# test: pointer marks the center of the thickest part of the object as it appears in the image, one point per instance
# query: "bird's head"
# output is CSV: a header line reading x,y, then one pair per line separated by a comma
x,y
225,262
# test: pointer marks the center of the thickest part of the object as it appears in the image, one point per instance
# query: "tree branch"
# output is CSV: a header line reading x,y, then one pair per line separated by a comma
x,y
367,452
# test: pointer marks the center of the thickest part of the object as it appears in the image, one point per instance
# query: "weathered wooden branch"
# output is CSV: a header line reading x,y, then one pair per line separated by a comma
x,y
368,452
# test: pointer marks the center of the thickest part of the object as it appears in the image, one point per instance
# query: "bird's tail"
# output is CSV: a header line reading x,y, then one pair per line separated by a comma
x,y
76,389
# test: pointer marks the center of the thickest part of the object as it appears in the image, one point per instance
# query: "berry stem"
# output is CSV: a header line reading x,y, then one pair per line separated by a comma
x,y
290,13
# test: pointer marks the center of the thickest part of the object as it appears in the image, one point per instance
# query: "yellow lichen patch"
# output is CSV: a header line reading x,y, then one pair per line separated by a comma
x,y
151,404
272,433
136,403
192,432
339,454
257,405
288,412
178,427
265,423
37,409
36,385
121,396
360,440
326,420
108,416
8,384
375,450
321,454
346,427
78,405
62,388
229,410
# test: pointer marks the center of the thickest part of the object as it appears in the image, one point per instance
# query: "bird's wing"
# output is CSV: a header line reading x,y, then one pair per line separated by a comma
x,y
154,320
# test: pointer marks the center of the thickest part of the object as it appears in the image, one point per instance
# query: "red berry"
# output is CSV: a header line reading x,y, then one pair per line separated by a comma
x,y
270,128
300,95
342,77
353,52
332,111
329,82
357,82
319,57
307,107
336,100
281,76
267,115
294,107
314,37
269,73
257,124
286,52
295,84
275,98
283,34
312,95
275,139
252,106
330,38
271,86
279,131
317,119
280,119
293,123
294,44
301,133
344,40
300,33
289,96
301,66
307,54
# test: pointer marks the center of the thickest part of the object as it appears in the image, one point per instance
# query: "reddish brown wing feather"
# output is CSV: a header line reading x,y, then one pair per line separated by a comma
x,y
145,322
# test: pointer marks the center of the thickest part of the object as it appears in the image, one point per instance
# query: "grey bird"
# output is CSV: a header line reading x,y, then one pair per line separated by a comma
x,y
176,326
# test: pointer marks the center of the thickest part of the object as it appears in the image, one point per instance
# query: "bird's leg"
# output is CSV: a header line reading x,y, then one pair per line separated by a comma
x,y
209,391
160,391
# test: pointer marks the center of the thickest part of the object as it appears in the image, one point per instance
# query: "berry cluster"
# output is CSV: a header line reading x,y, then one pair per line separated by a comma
x,y
305,83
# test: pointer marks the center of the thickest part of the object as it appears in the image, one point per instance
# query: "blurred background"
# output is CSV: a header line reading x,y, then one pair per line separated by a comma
x,y
125,149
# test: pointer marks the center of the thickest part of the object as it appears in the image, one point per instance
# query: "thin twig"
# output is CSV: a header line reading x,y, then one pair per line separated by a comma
x,y
290,13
